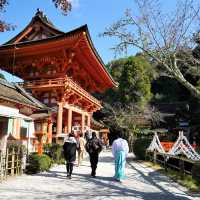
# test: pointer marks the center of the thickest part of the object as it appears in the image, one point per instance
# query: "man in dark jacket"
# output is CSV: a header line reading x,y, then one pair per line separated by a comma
x,y
69,148
94,147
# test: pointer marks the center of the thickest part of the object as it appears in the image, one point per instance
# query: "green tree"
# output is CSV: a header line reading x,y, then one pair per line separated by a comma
x,y
134,75
135,83
115,68
126,105
161,35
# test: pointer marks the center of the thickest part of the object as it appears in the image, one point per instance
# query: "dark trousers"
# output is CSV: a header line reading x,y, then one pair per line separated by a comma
x,y
69,167
94,161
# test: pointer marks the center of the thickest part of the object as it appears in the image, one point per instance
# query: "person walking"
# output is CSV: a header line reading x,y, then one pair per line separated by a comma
x,y
69,148
94,147
81,148
120,151
87,135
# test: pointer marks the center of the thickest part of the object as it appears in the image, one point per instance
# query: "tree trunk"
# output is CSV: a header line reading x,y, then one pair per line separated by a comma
x,y
193,90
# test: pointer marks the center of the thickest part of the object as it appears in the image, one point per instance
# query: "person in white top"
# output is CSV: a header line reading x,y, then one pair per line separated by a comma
x,y
81,149
120,151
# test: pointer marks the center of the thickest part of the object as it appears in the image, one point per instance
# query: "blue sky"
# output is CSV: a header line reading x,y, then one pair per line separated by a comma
x,y
97,14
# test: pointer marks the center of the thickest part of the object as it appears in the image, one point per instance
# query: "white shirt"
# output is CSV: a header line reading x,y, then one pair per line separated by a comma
x,y
120,145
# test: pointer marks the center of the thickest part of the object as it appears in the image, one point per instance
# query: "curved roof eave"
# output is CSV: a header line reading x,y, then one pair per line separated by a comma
x,y
31,22
26,43
83,28
115,84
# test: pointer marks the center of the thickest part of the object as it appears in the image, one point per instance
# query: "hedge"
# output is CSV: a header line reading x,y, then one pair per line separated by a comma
x,y
139,147
55,152
38,163
196,171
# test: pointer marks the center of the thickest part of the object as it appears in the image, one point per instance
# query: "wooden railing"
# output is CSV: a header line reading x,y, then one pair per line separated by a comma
x,y
181,164
60,82
11,163
81,91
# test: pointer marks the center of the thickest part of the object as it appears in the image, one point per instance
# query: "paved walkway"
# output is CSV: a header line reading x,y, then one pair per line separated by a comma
x,y
141,183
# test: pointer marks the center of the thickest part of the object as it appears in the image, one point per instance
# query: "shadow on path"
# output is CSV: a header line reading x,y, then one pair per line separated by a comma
x,y
107,187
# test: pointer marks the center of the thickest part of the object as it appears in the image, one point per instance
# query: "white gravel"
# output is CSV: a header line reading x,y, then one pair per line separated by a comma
x,y
141,183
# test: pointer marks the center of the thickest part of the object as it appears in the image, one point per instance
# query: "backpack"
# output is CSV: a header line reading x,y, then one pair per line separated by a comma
x,y
92,146
95,147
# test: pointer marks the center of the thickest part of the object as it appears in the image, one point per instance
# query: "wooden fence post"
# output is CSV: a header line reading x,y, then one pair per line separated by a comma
x,y
6,163
13,162
154,156
1,165
17,161
165,163
182,167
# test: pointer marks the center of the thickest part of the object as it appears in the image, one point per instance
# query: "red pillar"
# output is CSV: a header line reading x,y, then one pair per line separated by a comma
x,y
69,120
40,146
49,135
82,122
59,118
89,120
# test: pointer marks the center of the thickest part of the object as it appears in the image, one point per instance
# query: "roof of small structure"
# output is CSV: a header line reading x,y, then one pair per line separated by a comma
x,y
14,93
41,33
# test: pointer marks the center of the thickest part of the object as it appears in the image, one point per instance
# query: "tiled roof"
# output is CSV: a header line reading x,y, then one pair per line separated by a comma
x,y
14,93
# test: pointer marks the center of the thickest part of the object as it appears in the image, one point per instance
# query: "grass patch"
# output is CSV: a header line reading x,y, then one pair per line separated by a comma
x,y
186,180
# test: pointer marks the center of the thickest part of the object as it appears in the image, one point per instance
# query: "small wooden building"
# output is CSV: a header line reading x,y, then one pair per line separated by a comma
x,y
16,108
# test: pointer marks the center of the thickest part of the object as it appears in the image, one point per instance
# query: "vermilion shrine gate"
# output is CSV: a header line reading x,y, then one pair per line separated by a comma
x,y
60,69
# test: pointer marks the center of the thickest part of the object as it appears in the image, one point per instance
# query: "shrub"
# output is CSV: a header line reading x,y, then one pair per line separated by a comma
x,y
55,152
139,147
18,148
198,150
38,163
195,171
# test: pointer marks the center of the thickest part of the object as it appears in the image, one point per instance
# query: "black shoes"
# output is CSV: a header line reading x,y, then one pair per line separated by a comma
x,y
93,174
69,176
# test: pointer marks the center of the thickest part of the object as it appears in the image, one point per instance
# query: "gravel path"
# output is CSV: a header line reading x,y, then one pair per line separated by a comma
x,y
141,183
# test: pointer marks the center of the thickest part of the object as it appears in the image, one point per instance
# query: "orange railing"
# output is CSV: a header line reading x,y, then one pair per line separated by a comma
x,y
61,82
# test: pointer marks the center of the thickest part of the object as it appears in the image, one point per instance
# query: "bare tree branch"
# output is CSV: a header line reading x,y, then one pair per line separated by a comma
x,y
161,36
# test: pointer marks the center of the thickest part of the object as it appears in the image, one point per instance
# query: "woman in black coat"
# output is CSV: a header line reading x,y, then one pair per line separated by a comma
x,y
69,148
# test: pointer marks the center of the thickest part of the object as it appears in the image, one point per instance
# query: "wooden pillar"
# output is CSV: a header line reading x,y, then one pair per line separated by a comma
x,y
65,127
49,135
40,145
18,125
154,156
59,118
82,122
65,121
89,120
69,120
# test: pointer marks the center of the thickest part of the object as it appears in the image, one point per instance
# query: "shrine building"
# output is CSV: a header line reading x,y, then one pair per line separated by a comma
x,y
62,70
